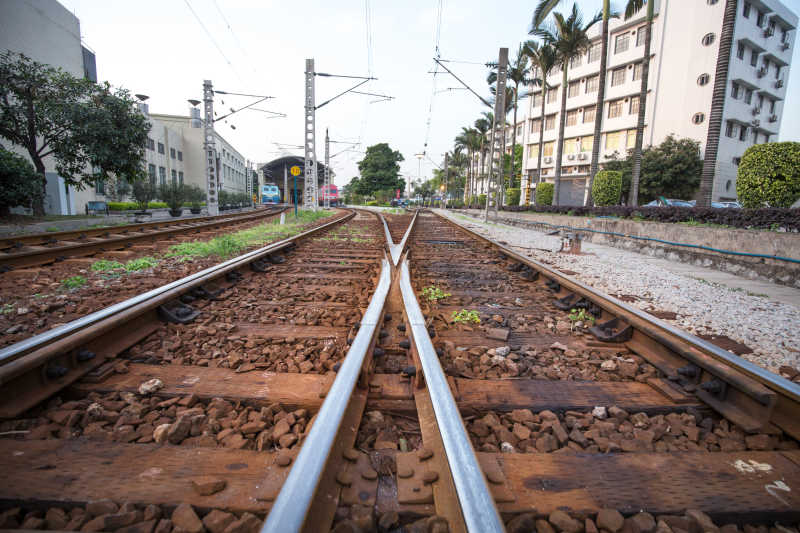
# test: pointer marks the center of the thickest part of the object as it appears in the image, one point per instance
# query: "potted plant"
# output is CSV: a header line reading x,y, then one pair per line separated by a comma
x,y
144,191
173,194
224,199
196,197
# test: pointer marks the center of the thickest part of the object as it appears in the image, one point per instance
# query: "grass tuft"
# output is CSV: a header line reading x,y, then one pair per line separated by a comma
x,y
74,282
104,265
142,263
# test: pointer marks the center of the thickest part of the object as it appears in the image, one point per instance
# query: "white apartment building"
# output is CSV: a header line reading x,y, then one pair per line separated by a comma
x,y
47,32
684,49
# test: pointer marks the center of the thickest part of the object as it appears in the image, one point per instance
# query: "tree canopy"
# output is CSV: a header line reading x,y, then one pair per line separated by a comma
x,y
380,170
89,129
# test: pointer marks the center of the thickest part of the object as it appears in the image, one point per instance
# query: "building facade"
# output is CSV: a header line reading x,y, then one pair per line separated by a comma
x,y
684,49
56,41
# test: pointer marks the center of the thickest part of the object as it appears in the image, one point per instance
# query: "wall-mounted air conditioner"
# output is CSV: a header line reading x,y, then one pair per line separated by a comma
x,y
778,84
548,159
769,32
773,118
571,157
582,156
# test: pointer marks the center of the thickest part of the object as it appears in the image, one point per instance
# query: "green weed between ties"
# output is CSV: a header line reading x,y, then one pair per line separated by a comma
x,y
466,316
104,265
142,263
580,315
232,244
74,282
434,293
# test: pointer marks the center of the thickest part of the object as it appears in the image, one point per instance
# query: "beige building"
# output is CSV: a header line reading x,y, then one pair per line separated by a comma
x,y
684,48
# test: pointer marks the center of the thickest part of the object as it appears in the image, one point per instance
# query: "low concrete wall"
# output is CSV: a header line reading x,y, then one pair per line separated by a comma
x,y
735,240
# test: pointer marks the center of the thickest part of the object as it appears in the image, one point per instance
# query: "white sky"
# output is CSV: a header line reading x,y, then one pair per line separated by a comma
x,y
158,48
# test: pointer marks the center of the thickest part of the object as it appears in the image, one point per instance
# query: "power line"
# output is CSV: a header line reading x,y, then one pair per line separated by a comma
x,y
437,38
211,37
235,38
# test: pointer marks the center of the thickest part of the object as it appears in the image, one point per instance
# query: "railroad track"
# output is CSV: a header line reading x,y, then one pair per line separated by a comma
x,y
43,248
252,411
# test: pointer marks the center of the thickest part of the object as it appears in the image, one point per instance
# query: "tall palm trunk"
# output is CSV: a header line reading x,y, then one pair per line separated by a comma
x,y
541,137
717,103
514,137
482,159
637,149
601,95
561,121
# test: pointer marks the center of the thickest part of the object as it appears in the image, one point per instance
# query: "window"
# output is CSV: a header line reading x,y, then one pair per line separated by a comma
x,y
572,146
100,187
637,71
151,171
708,39
614,140
572,117
703,79
634,107
537,99
536,125
576,61
573,89
766,137
615,109
641,35
631,139
746,10
755,136
151,144
550,122
172,153
587,143
760,101
777,71
730,129
621,43
735,90
748,96
617,76
772,107
742,133
760,19
753,58
162,175
533,151
174,175
698,118
180,177
160,148
592,83
552,95
588,114
180,155
519,131
548,148
783,35
740,51
594,52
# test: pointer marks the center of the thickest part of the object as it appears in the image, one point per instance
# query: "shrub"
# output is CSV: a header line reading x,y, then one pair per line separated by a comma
x,y
19,183
607,187
144,191
372,203
173,193
769,174
512,196
133,206
195,196
544,193
481,200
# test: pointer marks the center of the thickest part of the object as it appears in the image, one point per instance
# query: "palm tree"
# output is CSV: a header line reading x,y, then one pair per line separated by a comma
x,y
482,126
717,103
462,143
569,36
542,11
519,73
632,7
543,57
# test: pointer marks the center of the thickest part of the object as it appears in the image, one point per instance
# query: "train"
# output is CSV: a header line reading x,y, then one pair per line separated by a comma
x,y
331,192
270,194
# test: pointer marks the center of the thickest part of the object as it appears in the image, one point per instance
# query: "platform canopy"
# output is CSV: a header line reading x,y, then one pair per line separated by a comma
x,y
273,171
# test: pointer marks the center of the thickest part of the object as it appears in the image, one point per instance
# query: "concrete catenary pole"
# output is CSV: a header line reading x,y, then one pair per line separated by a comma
x,y
210,152
498,131
446,191
326,192
310,163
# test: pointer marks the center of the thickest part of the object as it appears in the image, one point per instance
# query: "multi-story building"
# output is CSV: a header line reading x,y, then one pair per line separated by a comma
x,y
684,50
47,32
164,153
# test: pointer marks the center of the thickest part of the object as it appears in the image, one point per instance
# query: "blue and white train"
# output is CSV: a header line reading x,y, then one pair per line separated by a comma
x,y
270,194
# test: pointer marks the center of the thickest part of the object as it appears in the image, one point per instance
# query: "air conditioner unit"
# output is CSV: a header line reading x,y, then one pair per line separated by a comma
x,y
773,118
571,157
548,159
756,110
784,45
761,72
756,123
769,32
778,84
581,156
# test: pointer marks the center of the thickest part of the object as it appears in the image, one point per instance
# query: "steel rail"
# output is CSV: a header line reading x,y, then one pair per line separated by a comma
x,y
19,349
477,504
289,511
396,250
765,377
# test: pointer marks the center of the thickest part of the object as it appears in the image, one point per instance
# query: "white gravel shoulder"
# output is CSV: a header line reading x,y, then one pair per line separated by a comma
x,y
771,328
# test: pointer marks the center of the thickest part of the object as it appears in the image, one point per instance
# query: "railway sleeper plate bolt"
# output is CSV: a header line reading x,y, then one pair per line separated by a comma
x,y
344,478
56,371
607,331
553,285
566,303
178,314
689,371
369,474
233,277
85,355
259,266
405,343
423,454
429,477
715,386
387,317
410,371
350,454
401,327
378,352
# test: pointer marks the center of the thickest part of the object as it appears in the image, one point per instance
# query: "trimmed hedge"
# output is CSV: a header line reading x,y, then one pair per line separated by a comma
x,y
512,196
132,206
607,187
544,194
769,174
767,218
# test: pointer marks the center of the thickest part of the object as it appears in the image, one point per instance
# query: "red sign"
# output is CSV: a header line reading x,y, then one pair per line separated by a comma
x,y
398,194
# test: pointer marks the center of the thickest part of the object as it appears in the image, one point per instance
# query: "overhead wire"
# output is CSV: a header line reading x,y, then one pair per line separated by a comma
x,y
235,38
437,54
211,37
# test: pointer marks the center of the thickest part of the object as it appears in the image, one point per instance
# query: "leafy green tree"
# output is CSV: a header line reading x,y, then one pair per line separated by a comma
x,y
144,192
18,185
544,193
544,59
671,169
89,130
380,170
607,187
769,174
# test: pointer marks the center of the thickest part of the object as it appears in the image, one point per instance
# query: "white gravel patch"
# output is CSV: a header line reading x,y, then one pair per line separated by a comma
x,y
770,328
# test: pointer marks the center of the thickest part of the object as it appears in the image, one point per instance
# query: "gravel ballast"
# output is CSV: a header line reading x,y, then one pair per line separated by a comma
x,y
768,327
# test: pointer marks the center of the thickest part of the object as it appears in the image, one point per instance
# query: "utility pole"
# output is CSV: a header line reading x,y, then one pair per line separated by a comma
x,y
326,187
310,163
498,132
446,191
208,146
285,184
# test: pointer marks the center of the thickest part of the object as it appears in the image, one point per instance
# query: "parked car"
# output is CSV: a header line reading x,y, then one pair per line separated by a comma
x,y
670,202
721,205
